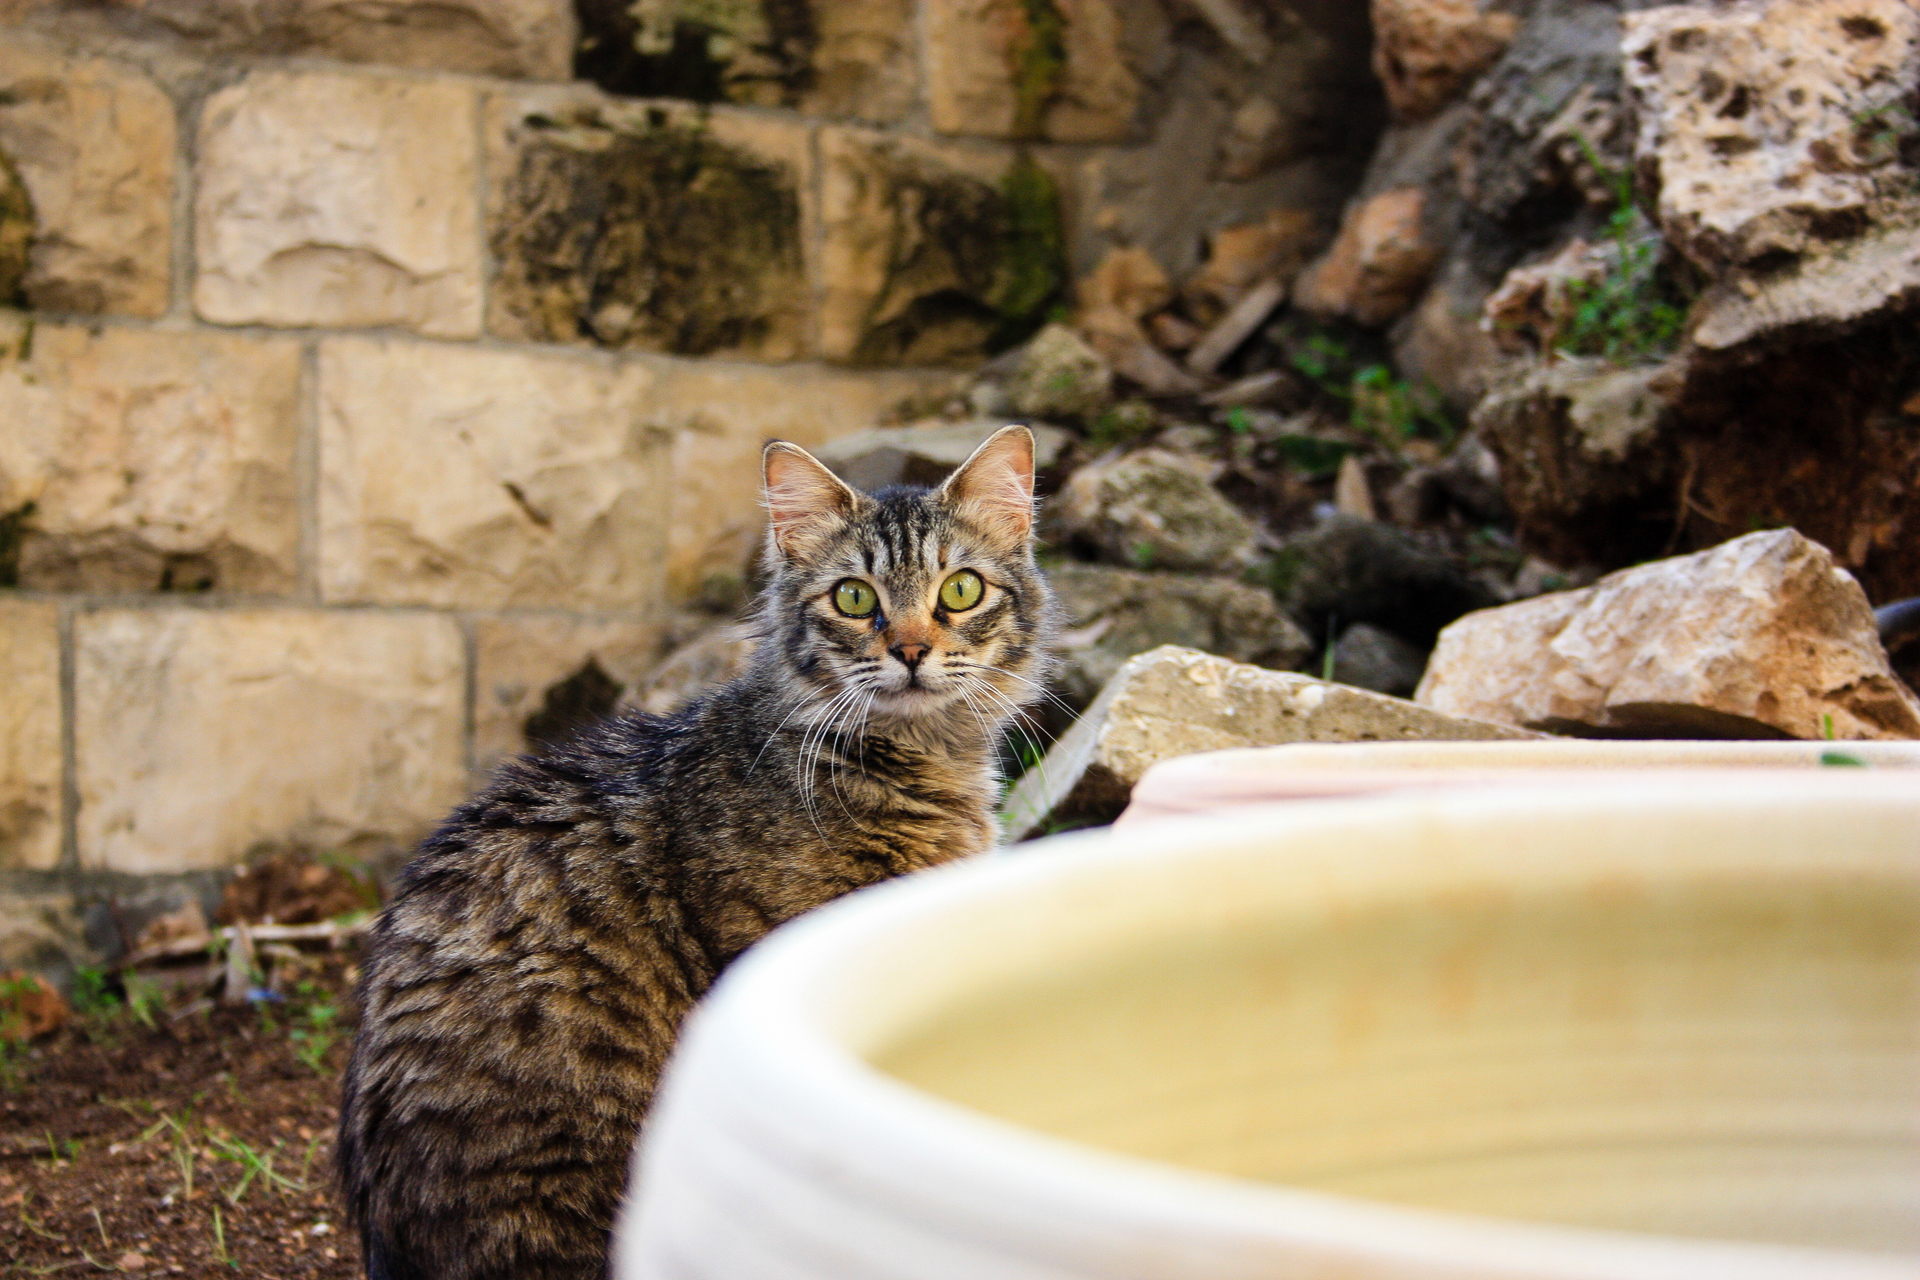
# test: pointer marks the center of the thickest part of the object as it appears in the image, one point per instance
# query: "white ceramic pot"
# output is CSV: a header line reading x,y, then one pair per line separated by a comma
x,y
1643,1028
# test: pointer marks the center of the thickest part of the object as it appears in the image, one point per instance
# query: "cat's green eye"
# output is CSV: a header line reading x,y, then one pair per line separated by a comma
x,y
962,591
855,598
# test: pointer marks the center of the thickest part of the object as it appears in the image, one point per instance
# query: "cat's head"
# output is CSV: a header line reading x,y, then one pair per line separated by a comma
x,y
909,602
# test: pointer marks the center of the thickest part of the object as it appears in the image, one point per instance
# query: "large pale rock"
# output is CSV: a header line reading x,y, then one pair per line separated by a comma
x,y
1426,51
1826,292
205,735
989,73
152,460
1378,264
1059,376
643,225
1174,702
93,142
722,415
488,479
926,454
1773,127
530,38
339,200
1759,637
29,734
538,679
1113,615
1155,509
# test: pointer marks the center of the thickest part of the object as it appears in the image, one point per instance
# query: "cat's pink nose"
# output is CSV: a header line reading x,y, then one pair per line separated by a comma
x,y
911,654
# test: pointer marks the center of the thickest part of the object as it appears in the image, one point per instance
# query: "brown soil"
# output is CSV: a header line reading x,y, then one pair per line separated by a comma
x,y
199,1145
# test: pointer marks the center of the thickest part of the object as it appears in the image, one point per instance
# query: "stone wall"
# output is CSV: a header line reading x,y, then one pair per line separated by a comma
x,y
371,375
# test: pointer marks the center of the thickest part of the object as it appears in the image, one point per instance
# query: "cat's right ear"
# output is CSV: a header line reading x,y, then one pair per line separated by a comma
x,y
804,500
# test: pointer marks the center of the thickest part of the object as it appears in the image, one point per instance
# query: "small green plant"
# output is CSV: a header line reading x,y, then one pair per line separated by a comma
x,y
313,1031
1633,311
93,993
1394,411
1315,457
220,1253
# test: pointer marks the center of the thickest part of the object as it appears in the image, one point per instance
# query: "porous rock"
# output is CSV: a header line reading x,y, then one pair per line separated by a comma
x,y
144,460
1155,509
1426,51
1762,636
1174,702
1059,376
1378,264
340,200
1114,614
92,143
645,226
1772,127
29,734
1348,569
924,454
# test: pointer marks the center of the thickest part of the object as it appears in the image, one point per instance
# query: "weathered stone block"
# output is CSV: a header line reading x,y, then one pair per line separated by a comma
x,y
1773,128
144,460
1058,70
1155,509
93,143
538,679
29,735
207,735
932,253
647,225
344,200
721,415
1173,702
530,38
488,479
1763,636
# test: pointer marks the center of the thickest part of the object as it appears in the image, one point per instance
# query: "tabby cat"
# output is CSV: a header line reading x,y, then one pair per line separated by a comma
x,y
524,987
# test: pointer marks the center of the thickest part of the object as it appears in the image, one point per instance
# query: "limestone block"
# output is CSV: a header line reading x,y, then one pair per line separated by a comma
x,y
206,735
1378,264
1772,127
987,71
43,929
1426,51
1174,702
93,142
142,460
1115,614
928,251
863,60
342,200
29,734
488,479
1759,637
539,678
721,415
530,38
1155,509
647,225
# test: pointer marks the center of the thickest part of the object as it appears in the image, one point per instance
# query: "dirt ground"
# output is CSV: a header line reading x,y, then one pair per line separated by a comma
x,y
168,1135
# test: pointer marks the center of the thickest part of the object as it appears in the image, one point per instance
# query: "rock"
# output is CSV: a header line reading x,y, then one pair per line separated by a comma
x,y
183,929
1242,256
1352,494
287,887
1114,614
1127,281
1759,637
151,460
29,734
1059,376
473,478
863,61
206,735
696,666
1367,657
29,1007
924,454
1173,702
1426,51
339,200
1537,300
1261,136
1826,292
1350,570
1155,510
1378,264
639,225
16,229
990,73
1773,128
43,931
1236,326
92,141
539,679
931,252
515,38
1124,345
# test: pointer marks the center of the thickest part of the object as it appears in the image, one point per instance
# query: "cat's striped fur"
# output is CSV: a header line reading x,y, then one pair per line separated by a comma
x,y
523,989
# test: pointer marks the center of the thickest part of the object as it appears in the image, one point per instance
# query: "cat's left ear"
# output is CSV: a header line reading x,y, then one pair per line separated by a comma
x,y
994,487
804,500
